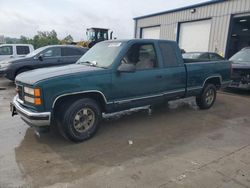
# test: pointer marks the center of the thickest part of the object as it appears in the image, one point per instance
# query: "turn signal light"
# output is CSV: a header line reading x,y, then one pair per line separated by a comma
x,y
37,101
37,92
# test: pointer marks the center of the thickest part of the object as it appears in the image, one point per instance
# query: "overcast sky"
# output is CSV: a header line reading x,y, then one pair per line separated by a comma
x,y
26,17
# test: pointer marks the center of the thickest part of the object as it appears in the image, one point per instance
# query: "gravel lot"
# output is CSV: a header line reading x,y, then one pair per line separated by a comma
x,y
177,146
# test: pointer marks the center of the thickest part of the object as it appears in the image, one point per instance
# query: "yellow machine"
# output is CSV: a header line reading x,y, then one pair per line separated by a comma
x,y
95,35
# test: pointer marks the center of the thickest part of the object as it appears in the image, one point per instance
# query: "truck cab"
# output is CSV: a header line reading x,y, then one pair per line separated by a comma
x,y
14,50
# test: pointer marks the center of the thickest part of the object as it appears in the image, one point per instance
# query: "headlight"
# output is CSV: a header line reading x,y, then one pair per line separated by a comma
x,y
34,95
36,101
4,64
31,91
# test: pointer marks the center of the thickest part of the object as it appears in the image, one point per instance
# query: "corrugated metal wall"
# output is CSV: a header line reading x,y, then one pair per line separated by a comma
x,y
220,14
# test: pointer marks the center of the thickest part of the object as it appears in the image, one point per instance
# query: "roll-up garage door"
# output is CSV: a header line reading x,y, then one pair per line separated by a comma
x,y
151,33
194,36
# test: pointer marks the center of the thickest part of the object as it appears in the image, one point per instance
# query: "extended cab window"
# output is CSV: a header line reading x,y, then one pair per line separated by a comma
x,y
169,55
22,50
6,50
143,56
52,52
70,52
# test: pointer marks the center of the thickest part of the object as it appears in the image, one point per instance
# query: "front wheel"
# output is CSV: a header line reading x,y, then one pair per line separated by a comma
x,y
207,98
81,120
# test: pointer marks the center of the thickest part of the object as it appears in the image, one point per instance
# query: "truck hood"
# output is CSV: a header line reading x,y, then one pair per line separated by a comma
x,y
34,76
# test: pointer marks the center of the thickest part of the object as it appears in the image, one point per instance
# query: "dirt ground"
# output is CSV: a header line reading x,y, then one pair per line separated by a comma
x,y
176,146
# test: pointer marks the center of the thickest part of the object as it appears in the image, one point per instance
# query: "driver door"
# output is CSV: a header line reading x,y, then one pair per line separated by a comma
x,y
50,57
132,89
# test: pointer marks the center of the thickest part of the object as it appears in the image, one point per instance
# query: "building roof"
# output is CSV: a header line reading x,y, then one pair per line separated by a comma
x,y
182,8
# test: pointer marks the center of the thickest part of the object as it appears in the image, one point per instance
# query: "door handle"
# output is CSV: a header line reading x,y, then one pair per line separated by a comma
x,y
159,76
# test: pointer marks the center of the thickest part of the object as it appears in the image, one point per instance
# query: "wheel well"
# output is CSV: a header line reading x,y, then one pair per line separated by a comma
x,y
215,80
66,100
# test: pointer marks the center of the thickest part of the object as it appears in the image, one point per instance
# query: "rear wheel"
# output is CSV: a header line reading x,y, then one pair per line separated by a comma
x,y
207,98
81,120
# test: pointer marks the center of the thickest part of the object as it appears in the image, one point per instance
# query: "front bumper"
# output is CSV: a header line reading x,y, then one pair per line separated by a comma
x,y
34,119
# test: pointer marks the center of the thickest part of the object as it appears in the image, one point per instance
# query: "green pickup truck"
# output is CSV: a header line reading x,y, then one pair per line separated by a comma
x,y
114,76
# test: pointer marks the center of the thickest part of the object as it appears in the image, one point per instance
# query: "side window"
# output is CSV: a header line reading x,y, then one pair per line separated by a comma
x,y
70,52
6,50
52,52
143,56
22,50
204,56
169,55
215,57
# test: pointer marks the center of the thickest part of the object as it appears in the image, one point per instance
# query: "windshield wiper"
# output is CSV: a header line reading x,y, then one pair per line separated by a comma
x,y
92,64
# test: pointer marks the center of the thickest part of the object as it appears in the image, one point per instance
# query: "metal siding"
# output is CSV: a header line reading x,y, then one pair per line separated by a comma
x,y
219,12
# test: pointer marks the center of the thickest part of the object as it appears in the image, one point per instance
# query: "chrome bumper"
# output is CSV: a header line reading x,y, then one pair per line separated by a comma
x,y
34,119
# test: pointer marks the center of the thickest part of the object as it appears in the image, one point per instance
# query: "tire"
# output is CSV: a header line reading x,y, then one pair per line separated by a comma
x,y
207,98
80,120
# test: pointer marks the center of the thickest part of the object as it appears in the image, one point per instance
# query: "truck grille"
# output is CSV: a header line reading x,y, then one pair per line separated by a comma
x,y
20,92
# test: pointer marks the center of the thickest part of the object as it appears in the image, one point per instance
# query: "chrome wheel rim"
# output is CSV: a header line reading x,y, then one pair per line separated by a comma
x,y
210,96
84,120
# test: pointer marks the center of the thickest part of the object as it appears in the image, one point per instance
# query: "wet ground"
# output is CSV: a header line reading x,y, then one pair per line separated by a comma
x,y
177,145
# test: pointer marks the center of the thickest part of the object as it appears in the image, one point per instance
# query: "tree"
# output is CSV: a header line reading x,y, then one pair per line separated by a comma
x,y
10,40
44,38
25,40
67,40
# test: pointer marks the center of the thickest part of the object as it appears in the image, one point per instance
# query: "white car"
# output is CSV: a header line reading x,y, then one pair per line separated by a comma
x,y
14,50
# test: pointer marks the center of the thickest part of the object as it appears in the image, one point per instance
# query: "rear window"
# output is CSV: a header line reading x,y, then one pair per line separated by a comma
x,y
22,50
191,55
169,55
71,52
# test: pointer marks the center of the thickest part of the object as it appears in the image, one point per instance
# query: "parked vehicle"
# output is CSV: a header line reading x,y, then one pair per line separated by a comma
x,y
241,69
114,76
202,56
56,55
14,50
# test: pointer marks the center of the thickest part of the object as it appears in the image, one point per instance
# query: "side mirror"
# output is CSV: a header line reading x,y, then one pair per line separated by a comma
x,y
126,67
40,57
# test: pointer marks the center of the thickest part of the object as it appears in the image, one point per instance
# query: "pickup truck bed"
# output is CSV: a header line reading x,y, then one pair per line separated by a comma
x,y
198,73
114,76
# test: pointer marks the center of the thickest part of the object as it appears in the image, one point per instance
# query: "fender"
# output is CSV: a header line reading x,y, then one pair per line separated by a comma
x,y
81,92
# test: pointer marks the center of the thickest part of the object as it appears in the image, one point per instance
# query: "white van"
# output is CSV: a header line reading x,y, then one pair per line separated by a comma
x,y
14,50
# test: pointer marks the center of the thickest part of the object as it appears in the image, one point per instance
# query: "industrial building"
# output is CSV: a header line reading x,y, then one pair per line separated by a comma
x,y
221,26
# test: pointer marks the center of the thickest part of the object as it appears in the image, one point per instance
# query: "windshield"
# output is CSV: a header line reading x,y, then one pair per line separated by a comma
x,y
191,55
91,35
241,56
34,53
102,54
